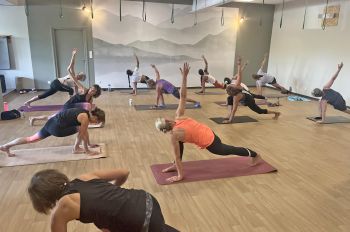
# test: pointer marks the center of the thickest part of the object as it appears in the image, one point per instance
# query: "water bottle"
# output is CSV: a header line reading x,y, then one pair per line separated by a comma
x,y
109,88
6,106
130,102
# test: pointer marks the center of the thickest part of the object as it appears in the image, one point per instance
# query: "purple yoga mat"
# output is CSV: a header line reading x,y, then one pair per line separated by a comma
x,y
213,169
40,108
50,107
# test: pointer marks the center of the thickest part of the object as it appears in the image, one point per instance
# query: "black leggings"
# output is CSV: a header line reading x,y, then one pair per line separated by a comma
x,y
157,223
248,100
55,86
218,148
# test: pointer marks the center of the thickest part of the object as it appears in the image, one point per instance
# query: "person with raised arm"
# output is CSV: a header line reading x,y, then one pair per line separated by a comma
x,y
238,94
187,130
62,84
135,76
330,96
164,86
207,78
263,78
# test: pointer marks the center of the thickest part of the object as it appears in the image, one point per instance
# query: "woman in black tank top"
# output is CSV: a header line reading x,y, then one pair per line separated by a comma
x,y
65,123
93,198
239,95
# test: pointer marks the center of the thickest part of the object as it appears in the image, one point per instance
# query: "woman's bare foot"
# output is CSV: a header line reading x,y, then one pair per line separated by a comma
x,y
256,160
7,151
172,168
78,150
277,114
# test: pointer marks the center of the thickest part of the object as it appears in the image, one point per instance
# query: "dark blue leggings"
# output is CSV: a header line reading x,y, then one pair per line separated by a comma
x,y
55,86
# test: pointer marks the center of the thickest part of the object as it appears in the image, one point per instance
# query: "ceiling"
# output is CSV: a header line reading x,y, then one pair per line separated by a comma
x,y
79,2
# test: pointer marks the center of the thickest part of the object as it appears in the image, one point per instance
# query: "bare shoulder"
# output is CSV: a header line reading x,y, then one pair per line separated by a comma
x,y
67,208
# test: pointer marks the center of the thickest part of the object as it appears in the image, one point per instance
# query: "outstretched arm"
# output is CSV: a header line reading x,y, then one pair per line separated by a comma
x,y
157,72
206,64
263,61
239,71
244,66
236,100
236,75
178,163
137,61
331,81
119,175
70,67
71,70
183,90
323,109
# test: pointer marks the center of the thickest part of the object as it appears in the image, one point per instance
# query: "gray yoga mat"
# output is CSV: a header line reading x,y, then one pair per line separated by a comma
x,y
212,93
331,119
167,107
236,119
223,103
139,91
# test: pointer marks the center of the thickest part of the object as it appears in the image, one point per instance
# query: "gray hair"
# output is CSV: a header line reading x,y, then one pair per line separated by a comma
x,y
163,125
317,92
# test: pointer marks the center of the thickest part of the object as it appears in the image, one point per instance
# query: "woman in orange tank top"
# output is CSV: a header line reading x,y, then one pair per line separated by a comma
x,y
187,130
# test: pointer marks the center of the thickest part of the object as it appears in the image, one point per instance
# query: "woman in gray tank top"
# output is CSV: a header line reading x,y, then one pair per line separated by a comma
x,y
330,96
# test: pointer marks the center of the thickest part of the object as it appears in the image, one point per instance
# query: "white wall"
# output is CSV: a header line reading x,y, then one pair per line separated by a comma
x,y
14,22
306,59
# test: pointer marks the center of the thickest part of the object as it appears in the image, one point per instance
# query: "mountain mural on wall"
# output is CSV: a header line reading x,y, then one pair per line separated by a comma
x,y
116,42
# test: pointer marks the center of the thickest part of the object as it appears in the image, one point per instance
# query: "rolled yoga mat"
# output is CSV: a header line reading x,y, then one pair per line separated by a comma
x,y
167,107
213,169
331,119
49,107
236,119
48,155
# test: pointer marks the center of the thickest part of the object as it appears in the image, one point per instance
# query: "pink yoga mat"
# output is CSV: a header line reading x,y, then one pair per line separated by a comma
x,y
213,169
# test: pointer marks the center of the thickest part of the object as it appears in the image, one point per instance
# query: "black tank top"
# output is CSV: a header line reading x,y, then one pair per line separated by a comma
x,y
77,98
69,118
109,206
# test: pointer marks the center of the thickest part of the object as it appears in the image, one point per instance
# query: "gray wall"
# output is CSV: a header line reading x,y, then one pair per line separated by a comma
x,y
253,40
41,20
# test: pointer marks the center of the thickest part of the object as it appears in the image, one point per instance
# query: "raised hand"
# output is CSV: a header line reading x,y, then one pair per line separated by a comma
x,y
185,70
340,66
239,60
153,66
203,57
74,51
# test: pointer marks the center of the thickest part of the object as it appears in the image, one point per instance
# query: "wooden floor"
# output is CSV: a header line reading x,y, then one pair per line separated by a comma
x,y
310,191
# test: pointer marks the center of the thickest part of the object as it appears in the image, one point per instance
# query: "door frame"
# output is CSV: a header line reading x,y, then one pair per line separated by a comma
x,y
54,50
